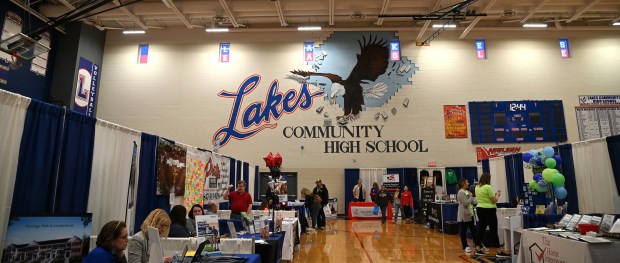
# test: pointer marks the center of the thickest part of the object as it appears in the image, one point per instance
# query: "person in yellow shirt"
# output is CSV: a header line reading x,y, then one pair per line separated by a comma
x,y
487,209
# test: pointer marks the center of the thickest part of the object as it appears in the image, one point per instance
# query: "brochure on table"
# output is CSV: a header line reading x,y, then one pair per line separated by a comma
x,y
608,221
572,225
565,220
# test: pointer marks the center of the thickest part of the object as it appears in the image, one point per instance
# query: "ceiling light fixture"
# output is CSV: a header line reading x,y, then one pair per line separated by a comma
x,y
217,29
309,28
446,26
535,25
616,24
133,32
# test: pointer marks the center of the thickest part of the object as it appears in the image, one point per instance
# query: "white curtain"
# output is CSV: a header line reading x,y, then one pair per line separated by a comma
x,y
595,179
369,176
497,166
13,110
251,181
109,183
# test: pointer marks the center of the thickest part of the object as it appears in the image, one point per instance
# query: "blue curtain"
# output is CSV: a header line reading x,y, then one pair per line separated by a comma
x,y
246,175
75,163
410,179
485,166
256,183
350,180
39,155
147,199
613,146
514,174
568,170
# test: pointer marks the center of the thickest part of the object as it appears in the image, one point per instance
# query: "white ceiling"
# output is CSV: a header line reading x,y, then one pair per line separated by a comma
x,y
339,15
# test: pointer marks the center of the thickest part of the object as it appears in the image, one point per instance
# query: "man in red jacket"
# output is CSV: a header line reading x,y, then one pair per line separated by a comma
x,y
407,203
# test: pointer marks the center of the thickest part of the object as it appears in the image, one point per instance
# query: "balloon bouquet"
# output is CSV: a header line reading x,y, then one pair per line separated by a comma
x,y
273,162
549,178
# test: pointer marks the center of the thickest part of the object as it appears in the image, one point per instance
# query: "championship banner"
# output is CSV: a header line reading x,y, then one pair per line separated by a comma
x,y
217,177
86,87
195,174
455,120
488,153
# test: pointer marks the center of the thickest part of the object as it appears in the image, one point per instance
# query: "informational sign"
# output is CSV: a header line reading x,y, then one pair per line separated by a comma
x,y
86,87
308,51
517,121
391,181
455,121
224,52
597,122
599,100
433,214
428,196
394,50
483,153
564,48
481,46
143,54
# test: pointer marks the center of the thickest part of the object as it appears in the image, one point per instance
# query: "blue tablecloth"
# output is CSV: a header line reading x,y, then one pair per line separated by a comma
x,y
277,237
301,212
449,212
223,226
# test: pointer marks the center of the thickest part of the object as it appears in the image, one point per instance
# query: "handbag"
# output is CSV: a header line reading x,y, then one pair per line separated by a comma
x,y
327,210
375,211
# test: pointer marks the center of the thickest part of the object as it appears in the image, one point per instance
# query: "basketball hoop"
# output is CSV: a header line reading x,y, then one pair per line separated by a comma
x,y
16,61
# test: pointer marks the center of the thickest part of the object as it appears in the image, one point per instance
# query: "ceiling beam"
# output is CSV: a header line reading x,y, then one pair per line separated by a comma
x,y
174,8
585,9
280,13
477,19
616,19
331,12
544,2
67,4
37,14
131,15
382,12
428,22
231,16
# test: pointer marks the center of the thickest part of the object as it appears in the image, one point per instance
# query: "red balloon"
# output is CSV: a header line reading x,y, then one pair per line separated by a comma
x,y
278,159
269,161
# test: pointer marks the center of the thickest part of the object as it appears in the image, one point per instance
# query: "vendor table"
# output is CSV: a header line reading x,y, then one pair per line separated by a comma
x,y
364,210
542,247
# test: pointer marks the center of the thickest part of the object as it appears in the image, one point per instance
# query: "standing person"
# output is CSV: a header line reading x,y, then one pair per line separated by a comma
x,y
313,205
374,191
240,201
487,208
191,218
383,200
178,224
465,215
323,194
359,193
397,203
111,242
139,249
406,200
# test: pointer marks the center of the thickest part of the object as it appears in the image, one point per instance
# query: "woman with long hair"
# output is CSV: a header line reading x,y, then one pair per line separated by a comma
x,y
313,205
111,242
465,215
487,209
138,248
191,218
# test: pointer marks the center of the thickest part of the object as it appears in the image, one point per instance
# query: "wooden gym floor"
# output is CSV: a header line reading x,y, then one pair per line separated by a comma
x,y
363,241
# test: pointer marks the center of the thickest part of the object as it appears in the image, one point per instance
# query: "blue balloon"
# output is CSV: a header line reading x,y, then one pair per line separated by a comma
x,y
534,153
548,151
539,162
538,177
558,160
542,185
526,157
560,192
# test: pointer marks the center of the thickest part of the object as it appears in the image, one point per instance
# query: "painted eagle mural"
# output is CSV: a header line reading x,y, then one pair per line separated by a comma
x,y
372,62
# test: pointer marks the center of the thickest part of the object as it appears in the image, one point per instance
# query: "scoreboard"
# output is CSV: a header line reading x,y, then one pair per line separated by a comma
x,y
517,121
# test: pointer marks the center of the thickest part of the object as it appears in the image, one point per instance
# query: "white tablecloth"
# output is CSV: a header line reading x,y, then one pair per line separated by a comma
x,y
291,226
542,247
169,245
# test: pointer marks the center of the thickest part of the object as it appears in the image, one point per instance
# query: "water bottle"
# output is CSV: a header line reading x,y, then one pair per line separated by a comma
x,y
176,257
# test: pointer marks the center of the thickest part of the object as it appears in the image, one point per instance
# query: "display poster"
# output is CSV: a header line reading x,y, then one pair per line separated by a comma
x,y
597,122
47,238
217,177
455,121
391,181
428,196
86,87
433,214
170,168
207,228
195,174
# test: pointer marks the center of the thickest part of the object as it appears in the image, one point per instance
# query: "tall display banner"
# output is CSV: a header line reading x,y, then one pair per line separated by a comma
x,y
86,87
217,177
455,121
131,190
391,181
195,174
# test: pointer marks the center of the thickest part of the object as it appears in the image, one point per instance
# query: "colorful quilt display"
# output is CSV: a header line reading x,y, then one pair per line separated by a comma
x,y
195,174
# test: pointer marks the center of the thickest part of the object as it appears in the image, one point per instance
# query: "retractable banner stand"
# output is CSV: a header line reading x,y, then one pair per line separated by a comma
x,y
217,177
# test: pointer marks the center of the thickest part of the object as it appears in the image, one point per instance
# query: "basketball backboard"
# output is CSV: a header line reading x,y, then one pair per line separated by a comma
x,y
23,47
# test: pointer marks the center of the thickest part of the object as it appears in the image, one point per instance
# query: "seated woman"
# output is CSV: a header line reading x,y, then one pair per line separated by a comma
x,y
111,242
138,249
191,220
178,224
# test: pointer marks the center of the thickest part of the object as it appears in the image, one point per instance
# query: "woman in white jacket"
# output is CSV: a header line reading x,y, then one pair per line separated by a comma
x,y
465,215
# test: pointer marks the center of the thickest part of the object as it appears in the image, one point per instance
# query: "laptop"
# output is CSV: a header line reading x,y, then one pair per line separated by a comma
x,y
182,255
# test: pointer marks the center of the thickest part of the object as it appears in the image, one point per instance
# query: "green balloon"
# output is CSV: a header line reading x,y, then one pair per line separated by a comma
x,y
548,173
550,163
558,180
534,185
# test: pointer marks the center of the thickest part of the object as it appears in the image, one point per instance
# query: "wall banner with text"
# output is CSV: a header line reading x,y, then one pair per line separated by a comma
x,y
455,119
86,87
